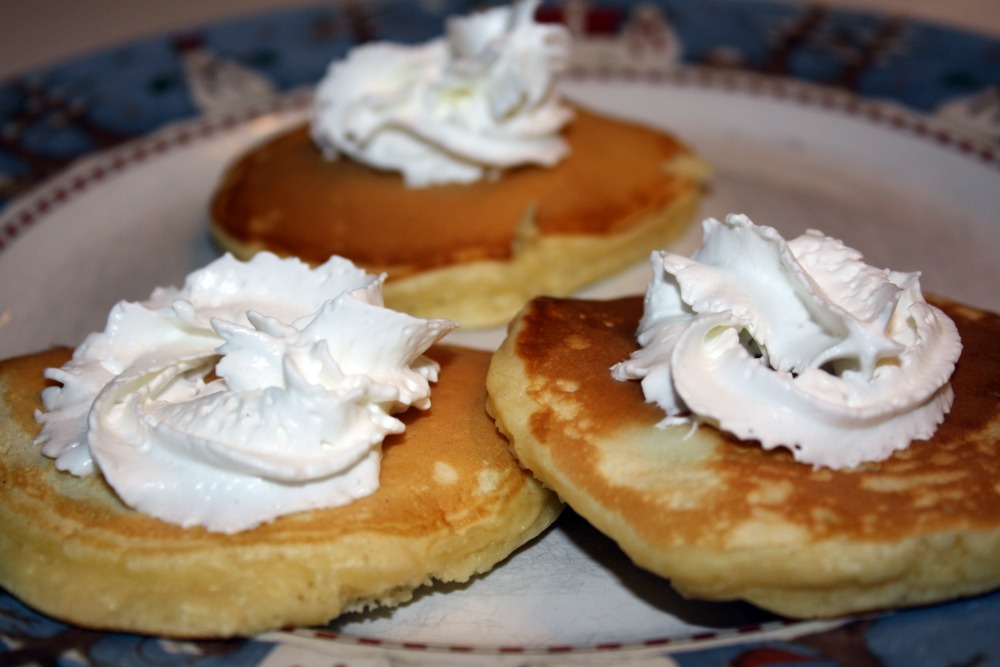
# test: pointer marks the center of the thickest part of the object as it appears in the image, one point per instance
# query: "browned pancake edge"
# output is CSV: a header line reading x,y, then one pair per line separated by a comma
x,y
284,196
725,519
452,503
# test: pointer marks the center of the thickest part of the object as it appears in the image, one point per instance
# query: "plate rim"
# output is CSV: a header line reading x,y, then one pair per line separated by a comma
x,y
79,177
26,210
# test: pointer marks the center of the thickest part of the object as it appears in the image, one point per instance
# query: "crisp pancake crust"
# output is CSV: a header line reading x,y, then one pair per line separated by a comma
x,y
471,252
725,519
452,503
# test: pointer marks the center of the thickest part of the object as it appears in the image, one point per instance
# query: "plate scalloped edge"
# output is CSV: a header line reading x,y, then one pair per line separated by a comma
x,y
885,113
25,211
319,639
22,214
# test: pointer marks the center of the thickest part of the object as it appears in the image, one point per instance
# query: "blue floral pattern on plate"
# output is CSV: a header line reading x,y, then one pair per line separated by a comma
x,y
53,116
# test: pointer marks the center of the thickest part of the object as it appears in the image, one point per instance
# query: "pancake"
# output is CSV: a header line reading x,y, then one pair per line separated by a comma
x,y
725,519
452,503
474,253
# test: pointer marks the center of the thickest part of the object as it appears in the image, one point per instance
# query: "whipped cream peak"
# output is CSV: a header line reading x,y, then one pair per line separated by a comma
x,y
200,409
457,109
796,344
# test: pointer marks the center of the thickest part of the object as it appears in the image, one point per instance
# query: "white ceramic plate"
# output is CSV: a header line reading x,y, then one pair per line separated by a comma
x,y
910,193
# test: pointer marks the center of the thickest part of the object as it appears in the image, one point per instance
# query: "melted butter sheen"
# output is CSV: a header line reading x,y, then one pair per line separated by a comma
x,y
795,344
256,390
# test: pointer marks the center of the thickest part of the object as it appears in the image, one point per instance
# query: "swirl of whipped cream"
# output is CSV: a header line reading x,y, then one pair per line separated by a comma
x,y
455,109
200,410
796,344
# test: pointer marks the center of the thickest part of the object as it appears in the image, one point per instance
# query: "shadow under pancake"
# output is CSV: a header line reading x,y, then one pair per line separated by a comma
x,y
653,589
358,619
622,577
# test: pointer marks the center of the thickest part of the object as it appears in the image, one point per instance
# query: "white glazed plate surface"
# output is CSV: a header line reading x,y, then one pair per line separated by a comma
x,y
909,195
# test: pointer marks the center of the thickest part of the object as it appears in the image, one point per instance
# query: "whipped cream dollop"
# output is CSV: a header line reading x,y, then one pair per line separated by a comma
x,y
795,344
258,389
457,109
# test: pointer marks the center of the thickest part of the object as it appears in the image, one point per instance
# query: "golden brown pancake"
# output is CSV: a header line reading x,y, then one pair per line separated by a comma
x,y
724,519
452,503
472,252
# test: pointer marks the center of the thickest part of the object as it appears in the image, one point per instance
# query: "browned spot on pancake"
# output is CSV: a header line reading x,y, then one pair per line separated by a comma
x,y
580,344
287,197
23,397
930,485
949,482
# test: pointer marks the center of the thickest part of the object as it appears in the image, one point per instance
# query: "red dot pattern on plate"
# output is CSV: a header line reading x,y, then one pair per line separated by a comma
x,y
805,94
115,161
76,180
63,188
554,649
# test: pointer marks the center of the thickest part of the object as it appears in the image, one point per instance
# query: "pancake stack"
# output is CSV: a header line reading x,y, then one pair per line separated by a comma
x,y
724,519
452,503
